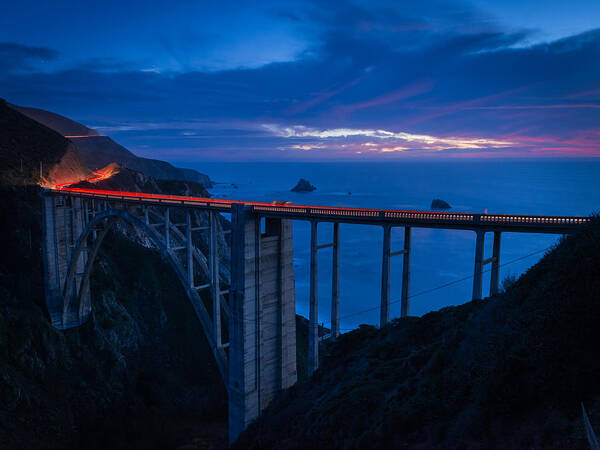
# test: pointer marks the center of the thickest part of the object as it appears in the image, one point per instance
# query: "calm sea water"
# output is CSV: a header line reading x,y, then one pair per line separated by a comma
x,y
438,256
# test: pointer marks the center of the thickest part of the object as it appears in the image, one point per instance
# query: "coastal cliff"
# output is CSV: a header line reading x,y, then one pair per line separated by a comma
x,y
97,151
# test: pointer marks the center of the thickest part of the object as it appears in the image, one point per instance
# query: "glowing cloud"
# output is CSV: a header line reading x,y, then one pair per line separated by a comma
x,y
405,140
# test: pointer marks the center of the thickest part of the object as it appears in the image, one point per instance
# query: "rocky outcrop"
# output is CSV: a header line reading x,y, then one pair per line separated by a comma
x,y
437,203
303,185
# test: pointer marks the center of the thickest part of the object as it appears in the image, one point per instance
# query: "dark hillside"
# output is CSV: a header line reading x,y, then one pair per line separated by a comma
x,y
123,179
98,151
507,372
25,144
60,124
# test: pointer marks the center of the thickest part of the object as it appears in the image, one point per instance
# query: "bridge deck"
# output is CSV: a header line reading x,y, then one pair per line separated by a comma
x,y
422,219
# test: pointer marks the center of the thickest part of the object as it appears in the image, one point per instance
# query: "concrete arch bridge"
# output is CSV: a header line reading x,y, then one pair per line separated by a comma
x,y
255,296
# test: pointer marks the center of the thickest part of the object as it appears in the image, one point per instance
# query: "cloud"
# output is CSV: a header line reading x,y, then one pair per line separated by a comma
x,y
412,90
414,141
105,64
18,58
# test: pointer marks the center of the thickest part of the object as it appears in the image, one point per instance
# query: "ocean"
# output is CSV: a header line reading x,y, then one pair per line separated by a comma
x,y
439,257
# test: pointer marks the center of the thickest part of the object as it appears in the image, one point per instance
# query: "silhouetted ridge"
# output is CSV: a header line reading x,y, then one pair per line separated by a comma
x,y
61,124
98,151
26,146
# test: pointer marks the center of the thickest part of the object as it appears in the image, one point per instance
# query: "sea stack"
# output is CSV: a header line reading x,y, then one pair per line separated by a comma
x,y
303,186
436,203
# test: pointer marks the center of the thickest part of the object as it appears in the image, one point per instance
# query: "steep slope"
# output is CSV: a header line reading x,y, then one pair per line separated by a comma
x,y
507,372
98,151
26,145
56,122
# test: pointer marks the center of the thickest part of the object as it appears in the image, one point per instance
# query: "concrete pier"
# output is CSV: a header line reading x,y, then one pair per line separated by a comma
x,y
168,227
189,251
495,277
262,327
313,319
478,271
405,299
63,221
384,311
335,283
213,259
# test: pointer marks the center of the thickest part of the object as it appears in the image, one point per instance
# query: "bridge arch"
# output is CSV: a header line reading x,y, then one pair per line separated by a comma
x,y
78,305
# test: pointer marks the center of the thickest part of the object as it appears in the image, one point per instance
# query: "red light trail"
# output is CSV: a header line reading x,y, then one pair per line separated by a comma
x,y
353,215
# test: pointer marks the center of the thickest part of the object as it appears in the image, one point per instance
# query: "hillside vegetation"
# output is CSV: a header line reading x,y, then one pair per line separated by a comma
x,y
506,372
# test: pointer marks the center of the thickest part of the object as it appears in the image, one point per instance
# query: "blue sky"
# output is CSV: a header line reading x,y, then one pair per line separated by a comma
x,y
347,80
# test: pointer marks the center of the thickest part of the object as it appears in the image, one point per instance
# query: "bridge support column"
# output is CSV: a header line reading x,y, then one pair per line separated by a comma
x,y
62,224
478,272
335,283
262,325
405,302
313,319
214,277
189,251
495,277
167,228
385,277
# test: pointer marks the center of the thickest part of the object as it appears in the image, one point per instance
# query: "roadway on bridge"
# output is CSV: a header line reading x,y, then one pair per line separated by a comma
x,y
427,219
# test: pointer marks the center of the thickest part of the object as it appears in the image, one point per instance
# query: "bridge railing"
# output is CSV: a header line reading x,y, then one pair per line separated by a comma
x,y
425,216
316,212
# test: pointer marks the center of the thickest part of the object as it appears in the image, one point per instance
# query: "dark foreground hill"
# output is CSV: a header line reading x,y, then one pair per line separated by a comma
x,y
508,372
